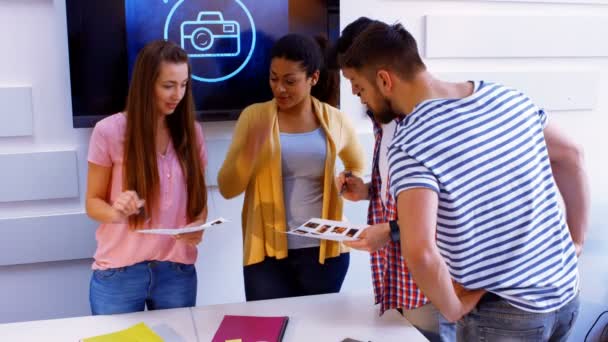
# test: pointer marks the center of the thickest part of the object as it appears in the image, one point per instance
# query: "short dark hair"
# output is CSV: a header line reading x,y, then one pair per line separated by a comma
x,y
311,54
348,35
384,46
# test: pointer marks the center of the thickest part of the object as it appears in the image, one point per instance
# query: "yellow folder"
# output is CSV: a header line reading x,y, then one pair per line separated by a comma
x,y
137,333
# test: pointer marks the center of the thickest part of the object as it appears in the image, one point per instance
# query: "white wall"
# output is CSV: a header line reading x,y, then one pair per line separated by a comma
x,y
562,62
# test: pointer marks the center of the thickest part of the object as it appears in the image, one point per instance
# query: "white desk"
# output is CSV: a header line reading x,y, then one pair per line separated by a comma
x,y
313,318
317,318
74,329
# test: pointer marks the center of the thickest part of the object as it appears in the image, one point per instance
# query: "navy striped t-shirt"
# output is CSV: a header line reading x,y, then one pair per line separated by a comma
x,y
500,226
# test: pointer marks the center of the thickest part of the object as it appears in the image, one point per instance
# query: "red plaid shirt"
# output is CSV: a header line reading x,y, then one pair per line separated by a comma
x,y
394,286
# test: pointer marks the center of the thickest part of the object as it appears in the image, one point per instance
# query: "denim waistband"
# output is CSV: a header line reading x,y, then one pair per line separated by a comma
x,y
490,297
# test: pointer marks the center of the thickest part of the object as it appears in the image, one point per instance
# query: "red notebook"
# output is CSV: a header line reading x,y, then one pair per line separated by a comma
x,y
251,329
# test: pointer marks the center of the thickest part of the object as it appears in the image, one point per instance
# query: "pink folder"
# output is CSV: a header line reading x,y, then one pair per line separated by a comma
x,y
251,329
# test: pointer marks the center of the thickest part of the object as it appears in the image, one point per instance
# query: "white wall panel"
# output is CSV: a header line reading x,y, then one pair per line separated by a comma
x,y
16,111
38,176
552,90
46,238
479,36
225,244
44,291
216,153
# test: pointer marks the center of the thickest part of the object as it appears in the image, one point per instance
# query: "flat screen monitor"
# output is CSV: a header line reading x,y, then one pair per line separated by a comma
x,y
228,43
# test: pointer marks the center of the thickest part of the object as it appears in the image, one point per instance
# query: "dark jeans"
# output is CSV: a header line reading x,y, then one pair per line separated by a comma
x,y
155,284
496,320
299,274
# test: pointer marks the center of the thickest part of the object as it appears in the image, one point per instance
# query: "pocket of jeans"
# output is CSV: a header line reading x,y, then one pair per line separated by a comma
x,y
104,274
494,334
183,268
573,318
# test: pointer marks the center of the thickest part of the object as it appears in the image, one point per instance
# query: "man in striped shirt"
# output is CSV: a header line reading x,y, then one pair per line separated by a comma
x,y
477,172
394,286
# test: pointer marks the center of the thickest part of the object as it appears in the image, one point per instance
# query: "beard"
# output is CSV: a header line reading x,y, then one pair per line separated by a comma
x,y
384,113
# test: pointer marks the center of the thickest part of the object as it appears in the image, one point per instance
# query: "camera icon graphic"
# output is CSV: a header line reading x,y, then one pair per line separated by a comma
x,y
211,36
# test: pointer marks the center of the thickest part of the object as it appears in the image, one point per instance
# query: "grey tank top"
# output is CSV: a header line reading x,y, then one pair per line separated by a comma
x,y
303,165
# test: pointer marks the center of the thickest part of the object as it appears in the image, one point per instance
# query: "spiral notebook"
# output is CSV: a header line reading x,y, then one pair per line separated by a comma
x,y
251,329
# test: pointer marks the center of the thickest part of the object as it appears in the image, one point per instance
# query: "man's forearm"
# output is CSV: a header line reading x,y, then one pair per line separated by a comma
x,y
574,188
567,164
432,277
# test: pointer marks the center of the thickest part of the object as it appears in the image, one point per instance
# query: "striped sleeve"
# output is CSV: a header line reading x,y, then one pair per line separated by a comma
x,y
544,120
406,172
542,115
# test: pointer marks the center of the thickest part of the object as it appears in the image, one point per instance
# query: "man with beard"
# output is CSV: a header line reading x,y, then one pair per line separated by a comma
x,y
394,286
477,171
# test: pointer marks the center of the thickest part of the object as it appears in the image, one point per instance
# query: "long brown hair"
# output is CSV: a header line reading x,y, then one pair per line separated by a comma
x,y
140,168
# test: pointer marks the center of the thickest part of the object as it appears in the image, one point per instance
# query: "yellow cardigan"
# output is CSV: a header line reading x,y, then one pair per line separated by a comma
x,y
263,215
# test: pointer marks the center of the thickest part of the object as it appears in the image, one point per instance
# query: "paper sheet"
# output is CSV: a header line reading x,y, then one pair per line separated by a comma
x,y
317,228
176,231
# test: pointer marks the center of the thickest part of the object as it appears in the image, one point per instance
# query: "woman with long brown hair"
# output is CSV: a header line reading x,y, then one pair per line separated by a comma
x,y
146,169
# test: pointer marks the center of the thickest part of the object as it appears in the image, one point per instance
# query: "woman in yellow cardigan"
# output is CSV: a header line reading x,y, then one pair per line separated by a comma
x,y
283,156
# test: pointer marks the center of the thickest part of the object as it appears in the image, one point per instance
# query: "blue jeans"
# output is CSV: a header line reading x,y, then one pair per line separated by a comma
x,y
300,274
447,329
431,323
155,284
496,320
